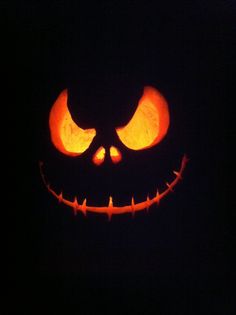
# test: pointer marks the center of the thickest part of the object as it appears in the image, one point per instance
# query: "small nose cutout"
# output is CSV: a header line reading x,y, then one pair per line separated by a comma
x,y
115,155
99,156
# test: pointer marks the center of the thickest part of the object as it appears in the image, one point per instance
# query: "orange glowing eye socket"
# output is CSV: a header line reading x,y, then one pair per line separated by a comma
x,y
99,156
66,136
115,154
149,124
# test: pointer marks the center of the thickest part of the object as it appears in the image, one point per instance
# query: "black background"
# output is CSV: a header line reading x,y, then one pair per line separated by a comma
x,y
175,256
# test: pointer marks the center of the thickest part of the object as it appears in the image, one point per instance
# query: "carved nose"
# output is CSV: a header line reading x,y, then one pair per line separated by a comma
x,y
115,155
100,154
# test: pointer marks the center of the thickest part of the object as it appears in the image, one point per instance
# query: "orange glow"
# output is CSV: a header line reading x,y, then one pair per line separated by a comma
x,y
99,156
115,155
66,136
149,123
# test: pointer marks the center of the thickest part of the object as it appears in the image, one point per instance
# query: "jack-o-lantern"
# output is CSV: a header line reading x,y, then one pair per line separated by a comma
x,y
83,149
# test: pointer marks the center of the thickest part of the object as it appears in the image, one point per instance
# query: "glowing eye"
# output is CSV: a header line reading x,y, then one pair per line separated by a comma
x,y
66,136
99,156
115,155
149,124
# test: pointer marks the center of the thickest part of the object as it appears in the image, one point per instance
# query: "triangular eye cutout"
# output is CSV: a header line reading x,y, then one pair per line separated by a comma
x,y
66,136
149,124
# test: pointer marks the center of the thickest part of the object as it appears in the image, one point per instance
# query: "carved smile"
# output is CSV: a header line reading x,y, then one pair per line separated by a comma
x,y
111,209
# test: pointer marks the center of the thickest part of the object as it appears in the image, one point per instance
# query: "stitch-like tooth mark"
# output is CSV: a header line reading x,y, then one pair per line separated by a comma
x,y
75,205
177,174
110,203
60,197
148,203
169,187
158,197
84,207
133,206
110,206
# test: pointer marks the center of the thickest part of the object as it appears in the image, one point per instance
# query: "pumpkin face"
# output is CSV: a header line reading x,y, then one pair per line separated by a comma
x,y
102,168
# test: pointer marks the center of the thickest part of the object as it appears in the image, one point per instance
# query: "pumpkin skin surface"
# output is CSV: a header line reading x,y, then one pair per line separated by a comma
x,y
109,165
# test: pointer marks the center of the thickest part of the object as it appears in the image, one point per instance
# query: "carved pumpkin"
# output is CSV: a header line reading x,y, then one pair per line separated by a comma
x,y
146,128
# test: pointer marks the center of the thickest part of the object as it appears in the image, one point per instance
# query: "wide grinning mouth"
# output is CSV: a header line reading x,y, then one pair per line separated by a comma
x,y
112,209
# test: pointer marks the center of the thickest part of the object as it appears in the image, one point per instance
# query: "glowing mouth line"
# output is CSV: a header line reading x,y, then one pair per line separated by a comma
x,y
111,209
